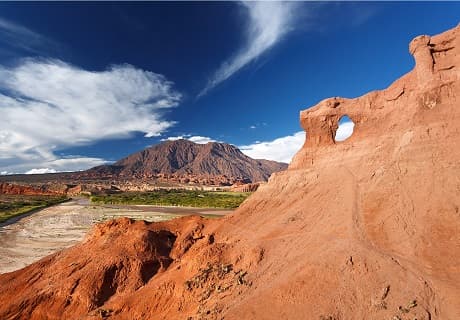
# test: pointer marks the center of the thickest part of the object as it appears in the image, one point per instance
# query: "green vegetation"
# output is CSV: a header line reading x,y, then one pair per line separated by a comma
x,y
176,197
15,205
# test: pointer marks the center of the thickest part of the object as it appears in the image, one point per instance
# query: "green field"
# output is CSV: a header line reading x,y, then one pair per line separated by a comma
x,y
181,198
15,205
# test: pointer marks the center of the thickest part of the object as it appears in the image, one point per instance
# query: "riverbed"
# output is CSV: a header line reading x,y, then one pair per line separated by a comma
x,y
26,239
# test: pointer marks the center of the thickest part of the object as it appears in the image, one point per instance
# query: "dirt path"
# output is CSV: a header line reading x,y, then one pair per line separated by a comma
x,y
34,236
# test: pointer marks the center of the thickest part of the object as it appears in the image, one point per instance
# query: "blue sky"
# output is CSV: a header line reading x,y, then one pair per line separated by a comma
x,y
82,84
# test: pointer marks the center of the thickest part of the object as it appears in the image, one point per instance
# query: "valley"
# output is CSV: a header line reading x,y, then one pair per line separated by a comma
x,y
12,206
28,238
176,197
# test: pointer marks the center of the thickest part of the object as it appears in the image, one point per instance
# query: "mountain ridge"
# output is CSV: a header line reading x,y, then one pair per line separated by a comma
x,y
185,160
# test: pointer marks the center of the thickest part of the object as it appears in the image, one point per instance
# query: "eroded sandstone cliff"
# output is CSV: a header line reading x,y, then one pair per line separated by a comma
x,y
368,228
15,189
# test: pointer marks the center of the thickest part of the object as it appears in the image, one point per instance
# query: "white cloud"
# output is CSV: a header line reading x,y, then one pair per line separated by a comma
x,y
48,105
75,163
201,140
196,139
40,171
268,23
344,131
281,149
71,163
184,137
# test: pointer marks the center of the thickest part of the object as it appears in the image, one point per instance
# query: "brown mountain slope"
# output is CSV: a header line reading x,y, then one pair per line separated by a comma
x,y
186,158
368,228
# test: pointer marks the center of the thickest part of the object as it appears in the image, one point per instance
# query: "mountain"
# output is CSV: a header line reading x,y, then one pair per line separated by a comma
x,y
187,161
367,228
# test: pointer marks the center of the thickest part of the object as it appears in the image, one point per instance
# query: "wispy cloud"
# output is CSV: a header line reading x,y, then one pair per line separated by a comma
x,y
17,36
196,139
47,105
268,23
257,125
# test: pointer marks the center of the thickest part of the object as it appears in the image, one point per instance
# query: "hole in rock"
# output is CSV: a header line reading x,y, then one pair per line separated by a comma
x,y
345,129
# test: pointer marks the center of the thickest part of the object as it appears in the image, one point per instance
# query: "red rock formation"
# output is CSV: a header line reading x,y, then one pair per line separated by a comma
x,y
367,228
13,189
40,189
247,187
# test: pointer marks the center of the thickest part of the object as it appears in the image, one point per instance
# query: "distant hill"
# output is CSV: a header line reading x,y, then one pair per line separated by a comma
x,y
186,161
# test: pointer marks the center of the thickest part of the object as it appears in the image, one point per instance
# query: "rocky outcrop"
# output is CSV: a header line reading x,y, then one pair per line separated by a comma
x,y
73,190
367,228
125,255
14,189
247,187
183,161
40,189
